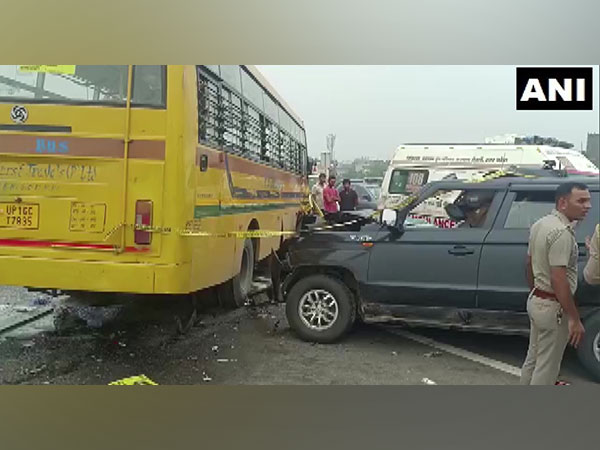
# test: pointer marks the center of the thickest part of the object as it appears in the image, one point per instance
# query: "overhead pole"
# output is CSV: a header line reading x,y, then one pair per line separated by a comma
x,y
330,141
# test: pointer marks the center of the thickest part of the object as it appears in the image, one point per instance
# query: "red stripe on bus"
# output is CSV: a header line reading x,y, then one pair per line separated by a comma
x,y
34,243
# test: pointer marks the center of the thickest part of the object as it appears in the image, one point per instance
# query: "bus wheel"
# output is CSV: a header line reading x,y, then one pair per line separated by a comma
x,y
234,293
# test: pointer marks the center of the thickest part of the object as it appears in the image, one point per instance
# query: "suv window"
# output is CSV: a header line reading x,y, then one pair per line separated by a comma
x,y
465,214
528,207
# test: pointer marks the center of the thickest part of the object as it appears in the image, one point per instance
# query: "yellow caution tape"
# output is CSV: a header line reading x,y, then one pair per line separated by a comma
x,y
132,381
250,234
238,234
314,206
65,70
306,208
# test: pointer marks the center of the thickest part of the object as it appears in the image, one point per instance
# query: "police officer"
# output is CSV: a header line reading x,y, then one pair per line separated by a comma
x,y
552,278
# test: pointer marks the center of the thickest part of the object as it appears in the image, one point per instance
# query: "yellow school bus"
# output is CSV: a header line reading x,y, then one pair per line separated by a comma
x,y
125,178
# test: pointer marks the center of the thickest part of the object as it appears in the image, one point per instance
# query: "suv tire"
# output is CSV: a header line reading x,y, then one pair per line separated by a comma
x,y
589,348
320,309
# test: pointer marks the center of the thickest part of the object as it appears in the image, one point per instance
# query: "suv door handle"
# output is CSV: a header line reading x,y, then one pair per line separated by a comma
x,y
459,250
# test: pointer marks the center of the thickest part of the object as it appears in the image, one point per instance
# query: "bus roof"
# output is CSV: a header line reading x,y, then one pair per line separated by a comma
x,y
468,149
476,146
263,81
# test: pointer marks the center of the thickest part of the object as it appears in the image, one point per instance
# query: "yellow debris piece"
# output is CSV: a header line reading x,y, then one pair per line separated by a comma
x,y
132,381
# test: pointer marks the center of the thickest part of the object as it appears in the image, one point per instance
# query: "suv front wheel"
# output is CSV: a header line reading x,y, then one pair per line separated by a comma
x,y
589,348
320,309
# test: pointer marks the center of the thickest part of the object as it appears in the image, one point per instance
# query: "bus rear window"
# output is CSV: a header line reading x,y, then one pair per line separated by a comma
x,y
407,181
82,85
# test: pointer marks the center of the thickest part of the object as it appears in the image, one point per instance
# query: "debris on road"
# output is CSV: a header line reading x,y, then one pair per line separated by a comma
x,y
135,380
37,369
434,354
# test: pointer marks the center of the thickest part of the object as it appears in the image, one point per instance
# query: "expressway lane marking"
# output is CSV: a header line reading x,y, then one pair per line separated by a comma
x,y
471,356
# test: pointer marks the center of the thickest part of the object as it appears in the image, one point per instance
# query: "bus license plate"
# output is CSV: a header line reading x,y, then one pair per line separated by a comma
x,y
19,215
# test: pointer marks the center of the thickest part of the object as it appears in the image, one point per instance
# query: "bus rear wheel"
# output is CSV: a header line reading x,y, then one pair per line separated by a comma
x,y
234,293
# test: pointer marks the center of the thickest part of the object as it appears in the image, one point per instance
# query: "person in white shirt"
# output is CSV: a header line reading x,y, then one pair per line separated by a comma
x,y
317,191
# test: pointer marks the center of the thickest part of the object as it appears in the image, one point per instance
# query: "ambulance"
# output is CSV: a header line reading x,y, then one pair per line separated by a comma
x,y
415,165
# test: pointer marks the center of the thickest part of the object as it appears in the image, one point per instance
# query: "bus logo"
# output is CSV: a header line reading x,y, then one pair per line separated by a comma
x,y
51,146
19,114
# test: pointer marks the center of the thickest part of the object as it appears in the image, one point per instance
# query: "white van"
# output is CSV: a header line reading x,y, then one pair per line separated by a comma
x,y
415,165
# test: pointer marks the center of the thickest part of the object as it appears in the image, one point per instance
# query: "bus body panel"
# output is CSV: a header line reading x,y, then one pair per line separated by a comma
x,y
76,182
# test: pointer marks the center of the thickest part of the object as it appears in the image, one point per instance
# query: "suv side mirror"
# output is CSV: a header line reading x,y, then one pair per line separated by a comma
x,y
389,217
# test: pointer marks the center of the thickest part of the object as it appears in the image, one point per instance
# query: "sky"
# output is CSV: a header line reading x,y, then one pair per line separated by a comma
x,y
374,109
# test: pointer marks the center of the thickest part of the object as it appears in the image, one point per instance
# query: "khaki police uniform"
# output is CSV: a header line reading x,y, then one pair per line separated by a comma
x,y
551,244
591,272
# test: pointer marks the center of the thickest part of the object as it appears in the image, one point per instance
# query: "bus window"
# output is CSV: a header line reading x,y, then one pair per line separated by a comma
x,y
75,84
82,84
231,75
252,91
208,101
148,86
250,123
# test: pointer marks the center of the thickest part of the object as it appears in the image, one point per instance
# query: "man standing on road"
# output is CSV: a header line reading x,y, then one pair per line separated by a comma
x,y
552,278
348,197
331,198
317,191
591,271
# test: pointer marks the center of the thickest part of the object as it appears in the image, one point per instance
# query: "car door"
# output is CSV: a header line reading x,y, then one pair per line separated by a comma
x,y
502,283
587,295
431,266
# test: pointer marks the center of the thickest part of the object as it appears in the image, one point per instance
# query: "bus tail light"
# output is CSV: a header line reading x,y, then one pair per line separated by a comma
x,y
143,218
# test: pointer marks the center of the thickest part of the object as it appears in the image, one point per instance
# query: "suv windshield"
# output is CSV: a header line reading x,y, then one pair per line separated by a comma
x,y
81,84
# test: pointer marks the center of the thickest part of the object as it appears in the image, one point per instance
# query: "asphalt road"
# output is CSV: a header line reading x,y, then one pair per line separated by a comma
x,y
254,345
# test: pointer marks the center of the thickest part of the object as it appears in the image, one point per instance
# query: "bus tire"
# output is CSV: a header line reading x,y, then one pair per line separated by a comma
x,y
234,293
589,348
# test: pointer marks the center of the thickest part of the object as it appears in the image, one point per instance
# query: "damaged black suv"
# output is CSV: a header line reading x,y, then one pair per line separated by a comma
x,y
454,258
